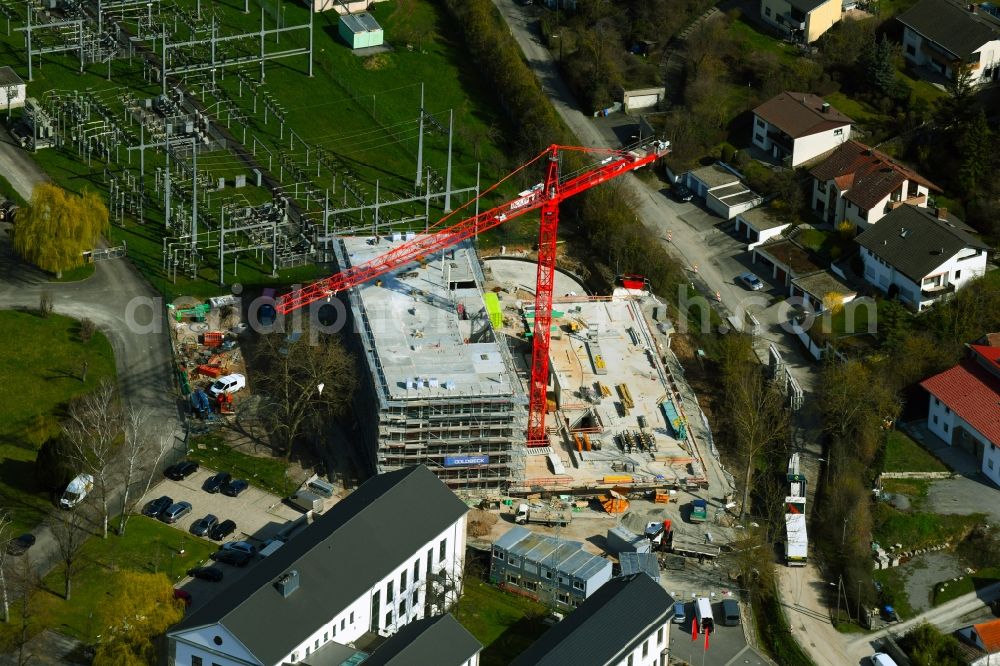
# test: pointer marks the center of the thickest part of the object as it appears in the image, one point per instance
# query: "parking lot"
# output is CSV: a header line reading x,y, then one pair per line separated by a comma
x,y
258,515
726,645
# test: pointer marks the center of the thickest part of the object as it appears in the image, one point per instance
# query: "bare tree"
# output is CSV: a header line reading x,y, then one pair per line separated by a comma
x,y
5,536
134,460
312,376
70,529
25,581
94,432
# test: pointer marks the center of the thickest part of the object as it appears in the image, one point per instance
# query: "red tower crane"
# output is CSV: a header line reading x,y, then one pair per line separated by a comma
x,y
546,197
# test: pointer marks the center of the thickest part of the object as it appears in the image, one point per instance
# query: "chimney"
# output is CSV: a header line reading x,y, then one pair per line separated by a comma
x,y
826,107
288,583
942,214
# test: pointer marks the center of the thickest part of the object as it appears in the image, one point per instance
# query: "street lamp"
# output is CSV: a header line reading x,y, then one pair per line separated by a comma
x,y
826,462
560,47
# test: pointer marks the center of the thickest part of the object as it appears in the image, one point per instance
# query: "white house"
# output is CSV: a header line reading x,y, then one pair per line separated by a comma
x,y
433,640
798,127
944,36
758,225
13,90
860,185
965,408
921,255
390,553
723,189
627,623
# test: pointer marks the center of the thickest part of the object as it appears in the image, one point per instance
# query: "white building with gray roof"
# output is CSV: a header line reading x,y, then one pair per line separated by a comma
x,y
553,570
390,553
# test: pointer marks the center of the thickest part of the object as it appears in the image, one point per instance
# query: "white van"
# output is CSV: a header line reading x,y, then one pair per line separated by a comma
x,y
882,659
703,613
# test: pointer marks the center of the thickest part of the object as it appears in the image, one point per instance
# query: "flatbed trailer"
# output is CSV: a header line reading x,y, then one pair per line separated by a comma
x,y
689,547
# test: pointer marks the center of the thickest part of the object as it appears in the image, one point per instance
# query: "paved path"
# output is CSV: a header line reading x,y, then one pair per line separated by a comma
x,y
116,298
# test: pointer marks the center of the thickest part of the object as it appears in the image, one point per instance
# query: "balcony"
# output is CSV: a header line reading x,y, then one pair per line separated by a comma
x,y
934,292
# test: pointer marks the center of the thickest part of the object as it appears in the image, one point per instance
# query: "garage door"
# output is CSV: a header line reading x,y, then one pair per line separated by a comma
x,y
782,275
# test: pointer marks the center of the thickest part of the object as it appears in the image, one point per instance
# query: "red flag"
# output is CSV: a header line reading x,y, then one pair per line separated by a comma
x,y
694,628
706,638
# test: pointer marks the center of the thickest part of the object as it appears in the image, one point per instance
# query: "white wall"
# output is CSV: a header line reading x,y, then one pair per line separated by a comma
x,y
989,58
762,236
807,147
353,621
913,40
759,136
601,577
991,462
656,642
940,419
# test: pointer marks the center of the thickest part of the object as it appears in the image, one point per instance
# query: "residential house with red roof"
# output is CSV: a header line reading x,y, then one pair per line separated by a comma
x,y
860,185
965,407
985,639
798,127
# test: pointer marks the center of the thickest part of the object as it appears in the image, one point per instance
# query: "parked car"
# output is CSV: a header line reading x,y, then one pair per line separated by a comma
x,y
682,192
241,546
751,281
154,508
21,544
234,557
181,470
211,574
203,526
730,613
175,512
214,483
228,384
680,615
222,530
889,614
234,487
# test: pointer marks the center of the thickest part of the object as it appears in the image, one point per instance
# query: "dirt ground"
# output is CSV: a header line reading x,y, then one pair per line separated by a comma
x,y
925,571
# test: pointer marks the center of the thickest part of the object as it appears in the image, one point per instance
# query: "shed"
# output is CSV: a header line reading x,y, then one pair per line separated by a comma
x,y
360,30
636,563
621,540
12,89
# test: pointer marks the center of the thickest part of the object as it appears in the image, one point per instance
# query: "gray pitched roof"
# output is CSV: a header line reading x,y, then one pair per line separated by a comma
x,y
363,22
915,242
605,627
9,77
339,557
441,641
951,25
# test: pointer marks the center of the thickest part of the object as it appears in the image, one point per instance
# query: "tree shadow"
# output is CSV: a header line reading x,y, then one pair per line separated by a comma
x,y
515,639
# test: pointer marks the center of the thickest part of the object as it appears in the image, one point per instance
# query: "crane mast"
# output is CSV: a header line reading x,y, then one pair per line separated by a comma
x,y
545,198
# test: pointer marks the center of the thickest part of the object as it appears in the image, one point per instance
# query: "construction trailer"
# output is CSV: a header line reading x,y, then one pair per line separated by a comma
x,y
621,540
796,540
360,31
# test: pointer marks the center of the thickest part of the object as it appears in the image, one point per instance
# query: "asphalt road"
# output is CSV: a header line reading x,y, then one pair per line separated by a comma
x,y
122,304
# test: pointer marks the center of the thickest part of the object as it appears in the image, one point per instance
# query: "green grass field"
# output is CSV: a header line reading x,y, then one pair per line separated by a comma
x,y
917,529
902,454
148,546
264,472
42,363
948,590
504,623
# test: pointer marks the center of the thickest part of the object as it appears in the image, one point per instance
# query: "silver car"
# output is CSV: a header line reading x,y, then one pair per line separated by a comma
x,y
752,282
175,512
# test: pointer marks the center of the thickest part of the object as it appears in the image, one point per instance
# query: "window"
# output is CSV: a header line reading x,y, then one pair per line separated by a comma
x,y
195,661
767,11
416,571
946,427
958,274
498,554
513,561
760,123
659,636
548,575
388,618
430,559
821,185
343,624
645,648
910,50
989,463
935,419
631,660
759,138
402,608
442,547
947,410
530,585
839,131
577,585
308,650
352,617
389,592
326,636
295,656
316,644
333,630
416,595
937,401
563,598
402,581
512,579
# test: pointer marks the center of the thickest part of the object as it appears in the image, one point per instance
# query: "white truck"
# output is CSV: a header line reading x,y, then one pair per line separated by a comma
x,y
796,540
541,516
77,491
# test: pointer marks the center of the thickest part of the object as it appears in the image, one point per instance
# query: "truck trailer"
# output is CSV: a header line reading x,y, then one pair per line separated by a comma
x,y
526,515
796,540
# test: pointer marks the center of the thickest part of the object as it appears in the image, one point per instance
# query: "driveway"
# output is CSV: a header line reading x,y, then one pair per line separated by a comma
x,y
259,515
726,645
122,304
